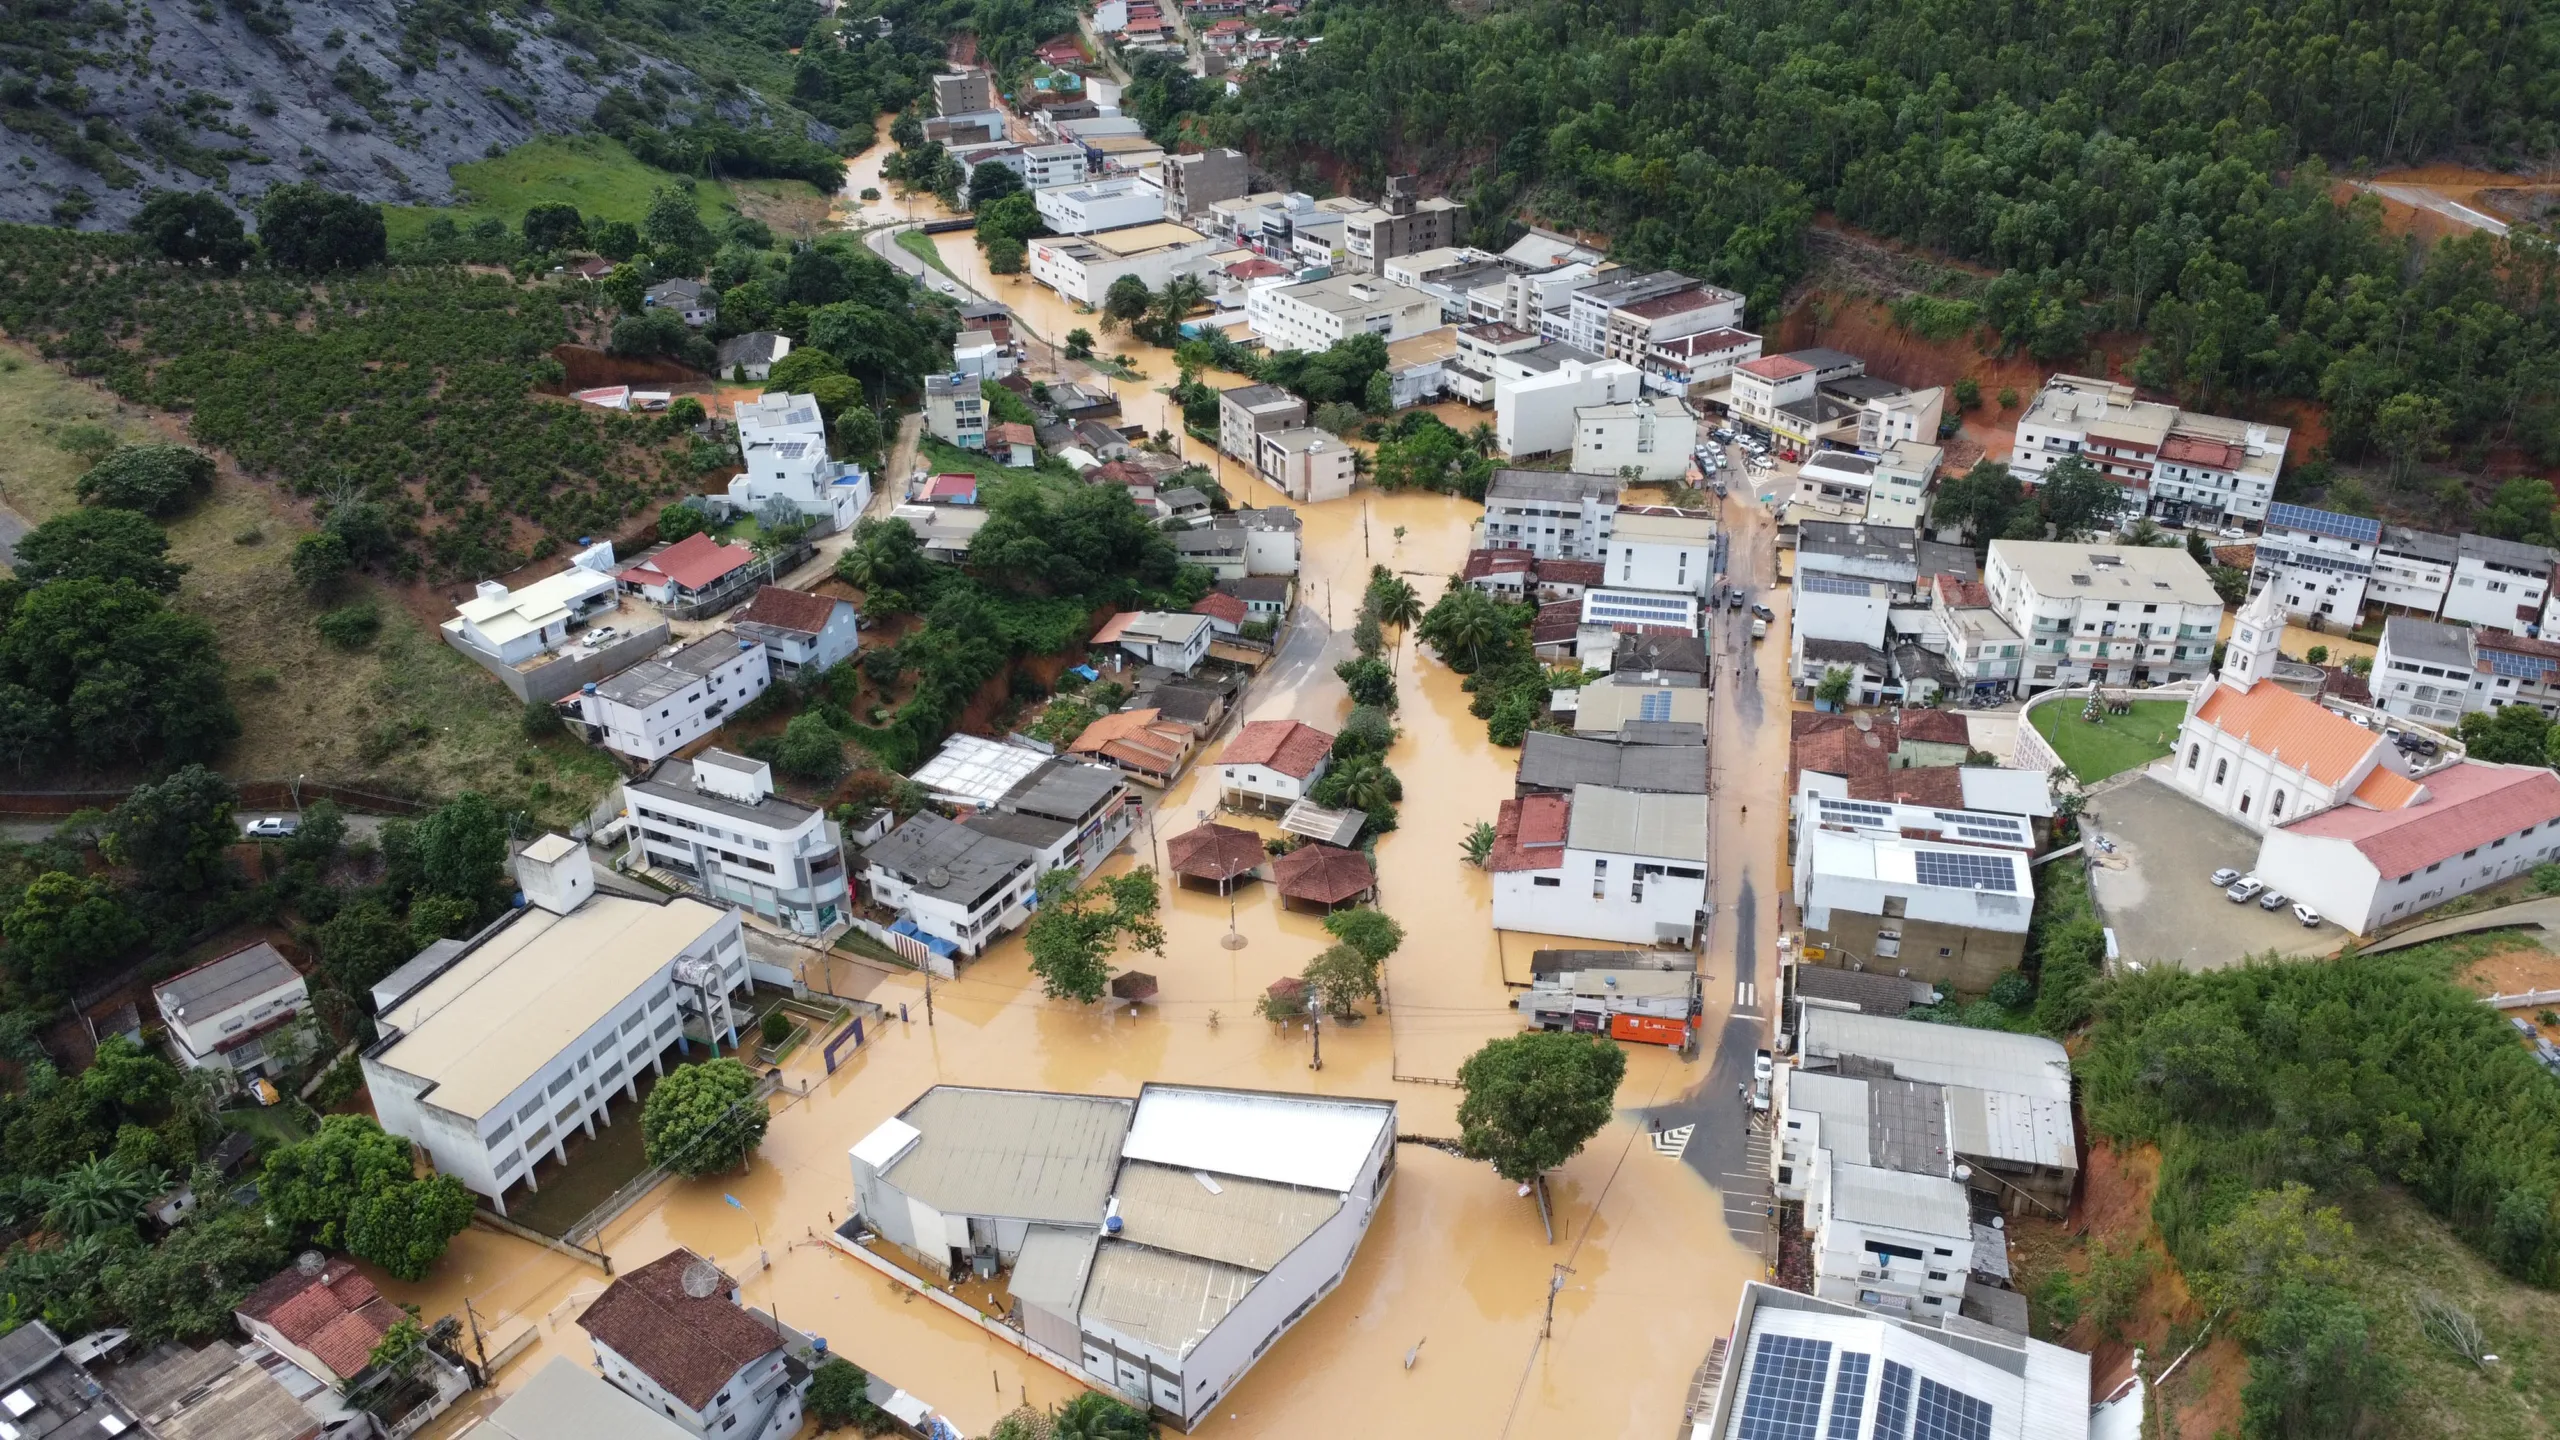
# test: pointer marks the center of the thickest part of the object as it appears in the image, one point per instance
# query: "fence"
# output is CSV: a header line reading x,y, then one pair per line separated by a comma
x,y
2524,999
505,1226
908,948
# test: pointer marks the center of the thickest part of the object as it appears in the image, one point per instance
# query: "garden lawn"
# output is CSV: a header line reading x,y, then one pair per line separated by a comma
x,y
2121,742
593,172
940,457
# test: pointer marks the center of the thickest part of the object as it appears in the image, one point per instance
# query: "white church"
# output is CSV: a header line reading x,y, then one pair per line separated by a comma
x,y
2350,826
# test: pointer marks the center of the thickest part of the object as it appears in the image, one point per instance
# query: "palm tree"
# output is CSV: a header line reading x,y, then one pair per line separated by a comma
x,y
1463,626
1484,439
1477,847
1096,1416
1367,784
98,1195
1396,602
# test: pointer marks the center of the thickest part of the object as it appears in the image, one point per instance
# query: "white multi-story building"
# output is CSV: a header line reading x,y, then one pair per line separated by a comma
x,y
1692,365
1911,416
678,1341
656,707
1106,204
1246,412
1764,386
1081,268
782,441
2101,421
1639,611
1655,437
1314,315
955,410
2412,570
2185,467
2318,561
1982,648
715,822
1538,302
1556,515
2213,470
1603,864
494,1048
1838,607
1401,223
1891,1226
220,1014
957,884
2119,614
1622,316
1537,395
1900,493
1307,464
2425,670
2463,827
1047,166
1657,547
1176,640
2502,584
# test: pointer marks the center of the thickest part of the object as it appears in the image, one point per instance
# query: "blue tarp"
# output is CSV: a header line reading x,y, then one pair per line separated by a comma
x,y
906,925
1087,671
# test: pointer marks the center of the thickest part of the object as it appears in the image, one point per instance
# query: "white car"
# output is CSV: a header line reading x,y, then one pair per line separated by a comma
x,y
271,827
2224,878
2309,917
2232,532
2246,891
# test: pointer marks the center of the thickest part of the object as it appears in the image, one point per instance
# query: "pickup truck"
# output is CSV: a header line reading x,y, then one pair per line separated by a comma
x,y
1759,628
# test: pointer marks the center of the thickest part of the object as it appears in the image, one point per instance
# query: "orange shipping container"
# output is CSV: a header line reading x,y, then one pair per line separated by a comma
x,y
1650,1029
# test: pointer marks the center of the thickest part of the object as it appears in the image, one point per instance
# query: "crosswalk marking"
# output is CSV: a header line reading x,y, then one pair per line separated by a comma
x,y
1673,1142
1745,995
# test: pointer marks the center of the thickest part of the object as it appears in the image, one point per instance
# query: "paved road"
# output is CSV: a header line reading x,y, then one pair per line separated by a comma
x,y
2423,198
21,831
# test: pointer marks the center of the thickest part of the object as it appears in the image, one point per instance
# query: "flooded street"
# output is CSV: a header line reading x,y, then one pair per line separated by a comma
x,y
1456,1262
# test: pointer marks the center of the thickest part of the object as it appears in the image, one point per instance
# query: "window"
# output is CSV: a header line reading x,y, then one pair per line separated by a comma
x,y
2221,768
1549,882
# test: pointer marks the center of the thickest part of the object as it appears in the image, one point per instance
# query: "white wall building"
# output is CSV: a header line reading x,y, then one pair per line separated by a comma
x,y
2499,583
1640,611
1176,640
2467,826
2262,755
1314,315
2121,614
1045,166
494,1048
1839,607
1082,268
961,886
656,707
1761,387
514,626
782,440
1892,1229
2317,561
2213,469
1622,315
1246,412
800,630
716,823
1307,464
707,1362
2425,670
1655,437
1888,420
1604,864
1535,413
2101,421
1654,547
2412,570
1903,475
1273,763
220,1014
955,410
1554,515
1106,204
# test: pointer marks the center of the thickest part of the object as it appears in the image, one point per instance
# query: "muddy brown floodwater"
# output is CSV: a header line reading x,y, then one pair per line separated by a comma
x,y
1456,1261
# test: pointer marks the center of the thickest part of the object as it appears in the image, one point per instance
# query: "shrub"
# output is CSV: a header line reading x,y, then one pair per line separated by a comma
x,y
154,479
351,627
775,1027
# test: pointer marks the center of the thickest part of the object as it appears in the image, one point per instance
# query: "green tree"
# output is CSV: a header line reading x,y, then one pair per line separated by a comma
x,y
2408,427
1834,689
1007,256
1092,1415
99,1195
1393,599
156,694
554,225
320,561
616,240
1470,629
2279,1237
2508,735
1367,730
1983,502
153,479
361,944
2520,510
839,1392
2079,500
810,749
99,544
173,831
991,180
704,1119
1342,976
624,288
439,917
65,929
804,364
1128,299
678,240
187,1286
682,519
2317,1372
312,1187
1372,932
405,1228
305,227
462,850
1079,344
1073,934
1533,1100
194,227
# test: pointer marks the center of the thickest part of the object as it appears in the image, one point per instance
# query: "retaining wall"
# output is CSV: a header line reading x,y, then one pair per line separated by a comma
x,y
566,672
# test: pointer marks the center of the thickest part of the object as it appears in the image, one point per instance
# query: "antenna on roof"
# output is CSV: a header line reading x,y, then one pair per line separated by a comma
x,y
701,1279
310,1262
937,877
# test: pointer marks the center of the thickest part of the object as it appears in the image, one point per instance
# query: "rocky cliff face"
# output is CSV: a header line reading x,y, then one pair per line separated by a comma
x,y
239,95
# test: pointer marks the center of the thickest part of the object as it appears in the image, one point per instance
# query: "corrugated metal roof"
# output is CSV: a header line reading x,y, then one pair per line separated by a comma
x,y
1161,1299
1627,822
1292,1139
1050,1272
1019,1154
2005,1125
1905,1200
1946,1054
1243,1222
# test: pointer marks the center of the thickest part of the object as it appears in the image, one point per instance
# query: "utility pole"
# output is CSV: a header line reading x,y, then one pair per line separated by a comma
x,y
1315,1023
478,1346
1555,1282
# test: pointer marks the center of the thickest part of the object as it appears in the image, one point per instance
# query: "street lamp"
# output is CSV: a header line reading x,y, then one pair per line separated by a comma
x,y
1227,872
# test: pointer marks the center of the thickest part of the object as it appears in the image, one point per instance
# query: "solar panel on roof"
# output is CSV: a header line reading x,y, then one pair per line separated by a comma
x,y
1655,705
1893,1402
1833,585
1965,870
2522,667
1944,1414
2324,522
1849,1395
1787,1381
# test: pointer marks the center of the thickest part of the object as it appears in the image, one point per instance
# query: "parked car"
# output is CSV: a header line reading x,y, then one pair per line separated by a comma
x,y
1761,1072
1733,598
1759,628
2232,532
2225,878
2274,900
272,827
602,635
2246,891
1764,612
2309,917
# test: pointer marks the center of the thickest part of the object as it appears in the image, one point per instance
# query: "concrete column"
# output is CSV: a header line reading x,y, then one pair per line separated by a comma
x,y
560,1149
657,1067
631,1088
589,1122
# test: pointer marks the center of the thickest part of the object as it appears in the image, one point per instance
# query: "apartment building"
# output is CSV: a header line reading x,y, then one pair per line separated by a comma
x,y
493,1048
1899,494
1906,416
693,1352
716,823
955,410
1082,268
1762,387
1554,515
1083,207
1655,437
2425,670
1658,547
1936,894
1538,393
1692,365
2318,561
656,707
2187,468
1307,464
1538,300
1401,223
1981,647
2117,614
1602,864
1046,166
1192,183
2100,421
1891,1228
1314,315
2214,470
782,441
1860,551
1622,316
221,1014
2412,570
1245,412
2502,584
959,887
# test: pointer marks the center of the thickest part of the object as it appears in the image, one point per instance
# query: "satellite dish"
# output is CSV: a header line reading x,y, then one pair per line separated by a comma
x,y
702,1279
937,877
310,1262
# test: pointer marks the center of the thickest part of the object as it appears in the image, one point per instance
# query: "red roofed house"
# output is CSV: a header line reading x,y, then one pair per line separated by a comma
x,y
958,488
1603,863
694,568
1272,764
326,1321
712,1365
1014,443
1500,572
1143,743
799,630
2461,827
1761,386
1227,614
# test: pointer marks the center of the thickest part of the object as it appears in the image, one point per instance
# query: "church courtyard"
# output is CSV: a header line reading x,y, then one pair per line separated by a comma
x,y
2153,891
2111,744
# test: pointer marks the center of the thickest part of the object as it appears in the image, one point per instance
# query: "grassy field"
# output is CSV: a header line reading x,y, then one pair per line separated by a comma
x,y
600,177
407,708
2116,743
920,245
942,458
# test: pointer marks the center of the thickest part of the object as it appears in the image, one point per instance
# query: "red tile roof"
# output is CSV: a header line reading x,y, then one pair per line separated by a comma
x,y
335,1315
1481,563
690,1346
1956,591
2319,742
1528,833
1572,572
1113,628
958,486
2464,806
1678,303
1137,740
2196,450
1221,607
1287,746
1013,432
795,610
1555,622
1775,367
1214,852
693,562
1323,874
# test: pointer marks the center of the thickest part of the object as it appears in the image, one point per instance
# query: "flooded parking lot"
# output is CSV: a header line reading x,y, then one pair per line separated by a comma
x,y
1456,1262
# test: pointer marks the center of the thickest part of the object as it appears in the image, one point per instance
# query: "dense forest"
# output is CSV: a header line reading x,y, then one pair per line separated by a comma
x,y
2165,169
